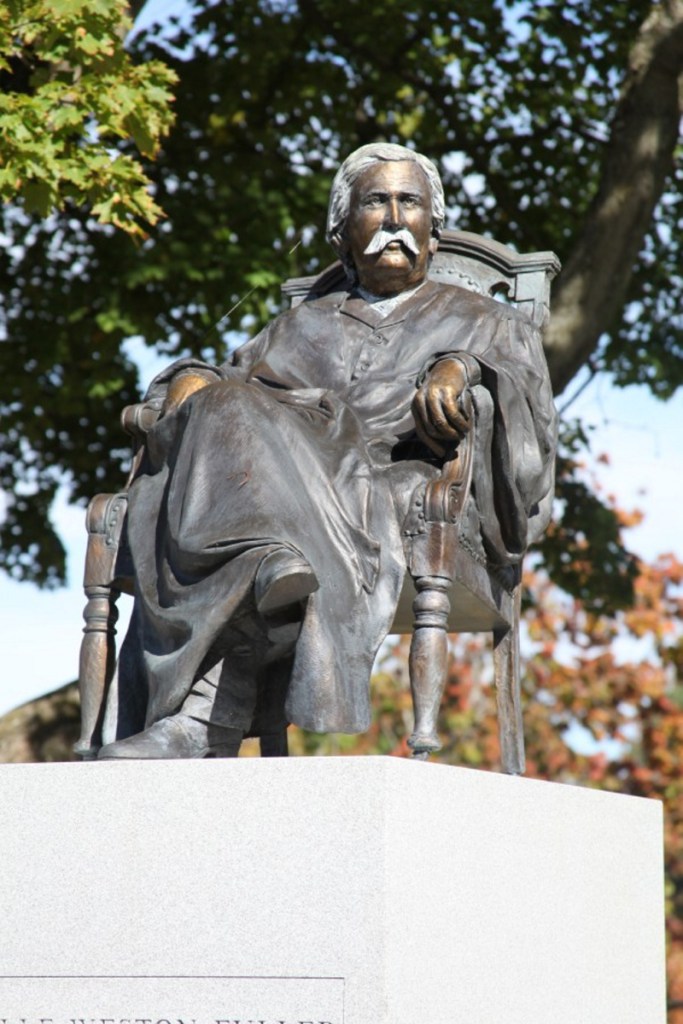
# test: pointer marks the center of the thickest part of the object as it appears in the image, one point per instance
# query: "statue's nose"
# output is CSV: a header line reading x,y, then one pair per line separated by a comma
x,y
393,218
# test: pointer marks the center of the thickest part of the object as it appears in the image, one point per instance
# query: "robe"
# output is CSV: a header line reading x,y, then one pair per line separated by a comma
x,y
306,440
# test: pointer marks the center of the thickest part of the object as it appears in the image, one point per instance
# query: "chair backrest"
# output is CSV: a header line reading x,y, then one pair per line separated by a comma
x,y
470,261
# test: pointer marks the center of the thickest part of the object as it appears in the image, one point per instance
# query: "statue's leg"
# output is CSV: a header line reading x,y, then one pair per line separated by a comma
x,y
284,578
210,723
275,744
270,719
177,737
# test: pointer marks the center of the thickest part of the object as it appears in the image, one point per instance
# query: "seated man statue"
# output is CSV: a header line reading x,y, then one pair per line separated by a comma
x,y
265,519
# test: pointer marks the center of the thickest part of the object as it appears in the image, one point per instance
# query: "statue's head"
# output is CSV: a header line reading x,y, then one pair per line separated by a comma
x,y
386,200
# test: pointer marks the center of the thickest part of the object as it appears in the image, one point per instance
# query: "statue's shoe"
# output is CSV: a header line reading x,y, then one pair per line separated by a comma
x,y
283,578
177,737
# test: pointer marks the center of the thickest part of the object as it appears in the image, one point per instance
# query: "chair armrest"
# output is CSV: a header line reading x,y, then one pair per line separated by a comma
x,y
104,521
138,419
432,525
445,498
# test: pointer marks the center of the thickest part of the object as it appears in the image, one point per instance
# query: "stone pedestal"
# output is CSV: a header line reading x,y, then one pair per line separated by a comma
x,y
336,890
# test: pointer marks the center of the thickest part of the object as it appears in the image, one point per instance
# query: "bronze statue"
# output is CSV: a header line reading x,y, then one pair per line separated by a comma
x,y
270,516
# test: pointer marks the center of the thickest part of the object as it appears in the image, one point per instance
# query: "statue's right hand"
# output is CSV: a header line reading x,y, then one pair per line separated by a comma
x,y
181,387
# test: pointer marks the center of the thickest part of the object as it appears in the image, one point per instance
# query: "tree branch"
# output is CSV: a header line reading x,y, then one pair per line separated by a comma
x,y
638,159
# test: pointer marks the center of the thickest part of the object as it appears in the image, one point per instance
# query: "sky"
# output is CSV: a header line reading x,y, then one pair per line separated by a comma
x,y
41,631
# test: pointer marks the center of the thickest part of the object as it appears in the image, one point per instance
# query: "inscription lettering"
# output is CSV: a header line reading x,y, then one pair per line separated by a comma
x,y
151,1020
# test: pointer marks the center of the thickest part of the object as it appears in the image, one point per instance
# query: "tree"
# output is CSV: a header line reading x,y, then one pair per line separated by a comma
x,y
540,137
70,91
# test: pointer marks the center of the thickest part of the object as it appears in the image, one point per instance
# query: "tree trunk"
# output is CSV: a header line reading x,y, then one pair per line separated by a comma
x,y
638,158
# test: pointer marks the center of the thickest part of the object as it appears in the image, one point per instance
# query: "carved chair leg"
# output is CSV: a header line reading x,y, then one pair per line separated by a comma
x,y
428,660
97,661
508,692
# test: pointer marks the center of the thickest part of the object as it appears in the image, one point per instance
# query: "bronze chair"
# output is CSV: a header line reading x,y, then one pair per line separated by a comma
x,y
451,589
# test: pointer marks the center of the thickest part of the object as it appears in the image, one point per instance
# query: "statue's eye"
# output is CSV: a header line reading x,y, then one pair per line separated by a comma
x,y
375,199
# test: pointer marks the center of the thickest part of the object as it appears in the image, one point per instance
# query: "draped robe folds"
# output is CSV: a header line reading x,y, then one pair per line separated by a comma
x,y
306,439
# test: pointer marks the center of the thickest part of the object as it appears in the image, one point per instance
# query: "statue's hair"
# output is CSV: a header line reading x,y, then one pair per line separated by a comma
x,y
351,170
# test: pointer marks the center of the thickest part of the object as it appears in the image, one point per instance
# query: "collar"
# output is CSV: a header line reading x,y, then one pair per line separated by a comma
x,y
384,305
354,305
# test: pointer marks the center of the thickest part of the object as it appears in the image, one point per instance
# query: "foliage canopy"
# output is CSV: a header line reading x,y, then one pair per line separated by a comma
x,y
69,93
521,113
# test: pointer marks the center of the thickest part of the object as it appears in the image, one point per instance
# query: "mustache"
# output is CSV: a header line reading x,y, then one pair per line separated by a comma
x,y
382,238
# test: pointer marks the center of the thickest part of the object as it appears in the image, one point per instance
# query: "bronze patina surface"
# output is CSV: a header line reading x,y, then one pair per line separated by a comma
x,y
276,502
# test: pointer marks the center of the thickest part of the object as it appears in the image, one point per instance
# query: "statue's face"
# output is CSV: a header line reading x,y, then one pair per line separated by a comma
x,y
390,196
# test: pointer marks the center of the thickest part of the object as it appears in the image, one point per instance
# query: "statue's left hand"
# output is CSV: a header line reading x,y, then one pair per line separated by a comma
x,y
440,419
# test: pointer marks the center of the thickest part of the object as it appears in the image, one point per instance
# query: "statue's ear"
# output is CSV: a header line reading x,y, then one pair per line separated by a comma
x,y
338,241
340,244
433,245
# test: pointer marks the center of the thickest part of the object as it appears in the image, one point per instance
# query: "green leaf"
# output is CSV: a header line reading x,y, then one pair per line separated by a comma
x,y
143,137
39,197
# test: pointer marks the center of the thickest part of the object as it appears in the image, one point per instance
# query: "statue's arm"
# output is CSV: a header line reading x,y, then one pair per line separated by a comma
x,y
504,355
184,377
440,415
